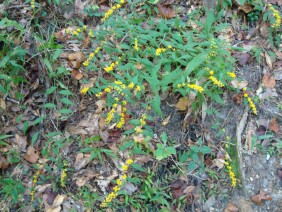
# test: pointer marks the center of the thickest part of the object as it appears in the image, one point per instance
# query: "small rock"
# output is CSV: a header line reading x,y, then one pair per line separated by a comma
x,y
251,179
267,157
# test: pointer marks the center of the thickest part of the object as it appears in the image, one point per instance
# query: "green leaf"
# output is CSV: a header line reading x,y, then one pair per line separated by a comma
x,y
34,138
170,151
126,145
65,111
205,149
66,101
65,92
194,148
50,90
25,126
192,166
49,105
241,2
2,137
164,137
109,152
38,120
156,104
138,167
195,63
159,153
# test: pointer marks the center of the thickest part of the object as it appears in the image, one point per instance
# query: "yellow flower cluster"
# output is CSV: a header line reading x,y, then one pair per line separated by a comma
x,y
136,44
111,67
32,4
231,173
191,86
276,16
77,31
92,55
216,81
84,90
232,74
251,103
121,122
119,182
159,51
213,48
142,120
63,175
196,87
34,181
111,114
112,9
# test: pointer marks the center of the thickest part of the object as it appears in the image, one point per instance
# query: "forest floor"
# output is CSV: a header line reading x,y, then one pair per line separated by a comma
x,y
101,107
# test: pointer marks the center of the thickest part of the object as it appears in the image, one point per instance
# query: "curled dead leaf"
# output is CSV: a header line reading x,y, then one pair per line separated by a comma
x,y
76,74
101,105
165,11
246,8
32,155
183,103
81,161
3,163
268,81
231,208
218,163
259,198
273,125
166,120
239,84
75,59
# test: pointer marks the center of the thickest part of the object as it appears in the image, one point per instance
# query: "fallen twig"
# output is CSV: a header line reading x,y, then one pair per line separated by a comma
x,y
239,130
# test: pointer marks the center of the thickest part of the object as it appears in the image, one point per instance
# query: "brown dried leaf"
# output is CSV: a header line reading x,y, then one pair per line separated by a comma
x,y
268,60
81,161
243,58
166,120
79,7
264,29
183,103
165,11
101,104
246,8
259,198
86,43
273,125
76,74
21,141
75,59
3,163
239,84
268,81
218,163
231,208
278,2
2,104
32,155
237,98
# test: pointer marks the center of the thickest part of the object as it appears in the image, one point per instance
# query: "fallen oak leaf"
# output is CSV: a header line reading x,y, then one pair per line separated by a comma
x,y
76,74
165,11
231,208
259,198
32,155
75,59
3,163
273,125
268,81
246,8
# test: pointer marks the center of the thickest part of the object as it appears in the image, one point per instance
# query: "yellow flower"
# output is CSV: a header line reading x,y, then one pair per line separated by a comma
x,y
122,1
124,102
84,90
196,87
216,81
116,188
211,72
124,167
109,68
86,63
159,51
246,95
124,176
107,90
136,44
129,161
169,46
138,129
244,89
75,33
63,177
138,88
232,74
78,30
99,94
118,6
119,182
131,85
